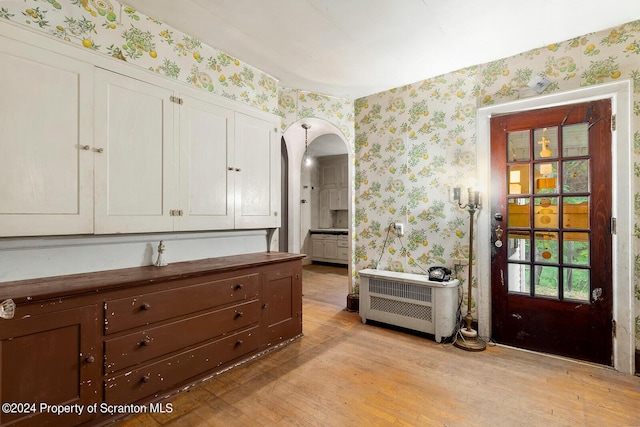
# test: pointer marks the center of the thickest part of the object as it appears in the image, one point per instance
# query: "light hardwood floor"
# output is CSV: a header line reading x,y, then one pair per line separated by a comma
x,y
345,373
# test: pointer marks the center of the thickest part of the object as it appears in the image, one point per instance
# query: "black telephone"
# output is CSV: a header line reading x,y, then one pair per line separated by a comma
x,y
439,274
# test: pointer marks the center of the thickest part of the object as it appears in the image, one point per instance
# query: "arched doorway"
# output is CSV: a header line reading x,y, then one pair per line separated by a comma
x,y
324,139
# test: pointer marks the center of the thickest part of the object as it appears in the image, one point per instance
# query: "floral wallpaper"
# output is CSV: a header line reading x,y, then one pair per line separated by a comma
x,y
411,144
414,143
110,28
296,104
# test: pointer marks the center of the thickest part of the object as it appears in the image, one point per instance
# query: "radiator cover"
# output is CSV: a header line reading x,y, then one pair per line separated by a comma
x,y
410,301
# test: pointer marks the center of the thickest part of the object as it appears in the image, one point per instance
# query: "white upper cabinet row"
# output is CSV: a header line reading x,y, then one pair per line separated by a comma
x,y
86,150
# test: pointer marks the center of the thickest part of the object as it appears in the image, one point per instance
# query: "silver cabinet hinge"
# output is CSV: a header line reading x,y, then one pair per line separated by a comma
x,y
614,225
614,327
176,100
613,122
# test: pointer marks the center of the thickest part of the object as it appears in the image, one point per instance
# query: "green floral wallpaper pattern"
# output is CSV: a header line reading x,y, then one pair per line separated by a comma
x,y
414,143
297,104
110,28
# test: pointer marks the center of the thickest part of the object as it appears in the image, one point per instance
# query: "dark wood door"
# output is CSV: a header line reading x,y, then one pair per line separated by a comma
x,y
281,303
551,286
52,360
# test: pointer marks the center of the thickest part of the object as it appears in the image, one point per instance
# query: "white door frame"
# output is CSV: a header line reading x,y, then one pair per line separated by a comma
x,y
620,94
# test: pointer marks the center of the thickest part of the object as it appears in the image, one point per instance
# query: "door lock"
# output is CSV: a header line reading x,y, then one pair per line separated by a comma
x,y
499,232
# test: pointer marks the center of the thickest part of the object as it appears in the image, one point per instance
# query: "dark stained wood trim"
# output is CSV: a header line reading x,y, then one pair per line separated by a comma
x,y
637,362
41,289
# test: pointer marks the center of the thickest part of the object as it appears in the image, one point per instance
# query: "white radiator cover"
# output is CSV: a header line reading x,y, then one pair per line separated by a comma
x,y
410,301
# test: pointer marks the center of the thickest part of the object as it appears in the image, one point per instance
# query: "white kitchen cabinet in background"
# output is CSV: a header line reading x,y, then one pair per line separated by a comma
x,y
330,247
338,199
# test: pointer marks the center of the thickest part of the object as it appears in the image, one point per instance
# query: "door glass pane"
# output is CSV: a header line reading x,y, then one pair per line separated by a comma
x,y
518,146
576,284
576,212
546,244
518,179
575,140
575,176
546,212
518,246
519,279
545,143
546,280
545,177
518,213
576,248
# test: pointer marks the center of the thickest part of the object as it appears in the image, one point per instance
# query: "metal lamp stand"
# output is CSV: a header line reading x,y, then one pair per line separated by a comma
x,y
467,338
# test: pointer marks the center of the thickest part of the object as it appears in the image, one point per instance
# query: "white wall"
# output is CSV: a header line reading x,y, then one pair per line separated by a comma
x,y
27,258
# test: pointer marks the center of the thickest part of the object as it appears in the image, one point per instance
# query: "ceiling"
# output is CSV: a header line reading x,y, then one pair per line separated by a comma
x,y
354,48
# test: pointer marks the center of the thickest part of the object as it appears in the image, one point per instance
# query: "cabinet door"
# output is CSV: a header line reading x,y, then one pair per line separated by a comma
x,y
282,303
257,173
343,173
343,199
334,199
317,247
45,125
134,172
206,186
324,214
50,358
331,249
328,175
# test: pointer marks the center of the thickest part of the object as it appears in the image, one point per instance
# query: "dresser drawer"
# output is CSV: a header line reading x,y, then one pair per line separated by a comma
x,y
131,349
145,381
139,310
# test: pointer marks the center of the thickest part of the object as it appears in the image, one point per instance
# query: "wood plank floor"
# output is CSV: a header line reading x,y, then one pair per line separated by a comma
x,y
345,373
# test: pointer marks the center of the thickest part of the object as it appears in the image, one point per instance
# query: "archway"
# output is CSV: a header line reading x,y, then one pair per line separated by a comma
x,y
322,138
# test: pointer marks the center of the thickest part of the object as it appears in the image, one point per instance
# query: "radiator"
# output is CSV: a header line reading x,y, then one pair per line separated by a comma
x,y
410,301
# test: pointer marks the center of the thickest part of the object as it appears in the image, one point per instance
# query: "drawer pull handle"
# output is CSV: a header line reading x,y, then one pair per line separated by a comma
x,y
145,379
145,306
90,359
265,305
238,343
238,286
145,342
239,314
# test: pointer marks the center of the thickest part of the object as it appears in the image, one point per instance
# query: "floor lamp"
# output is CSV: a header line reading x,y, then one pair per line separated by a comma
x,y
467,338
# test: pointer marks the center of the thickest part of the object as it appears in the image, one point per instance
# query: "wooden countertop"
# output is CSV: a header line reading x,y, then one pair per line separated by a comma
x,y
89,283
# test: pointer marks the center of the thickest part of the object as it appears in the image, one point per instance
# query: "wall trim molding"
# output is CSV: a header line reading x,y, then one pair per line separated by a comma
x,y
621,95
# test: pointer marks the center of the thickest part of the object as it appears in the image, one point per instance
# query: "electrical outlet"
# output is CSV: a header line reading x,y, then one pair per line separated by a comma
x,y
398,229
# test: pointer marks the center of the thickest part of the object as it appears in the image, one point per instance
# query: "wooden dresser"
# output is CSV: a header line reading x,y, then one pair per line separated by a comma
x,y
93,343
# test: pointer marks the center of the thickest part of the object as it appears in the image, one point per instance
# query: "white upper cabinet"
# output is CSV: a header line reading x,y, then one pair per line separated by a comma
x,y
90,150
328,174
46,133
257,173
206,148
134,171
